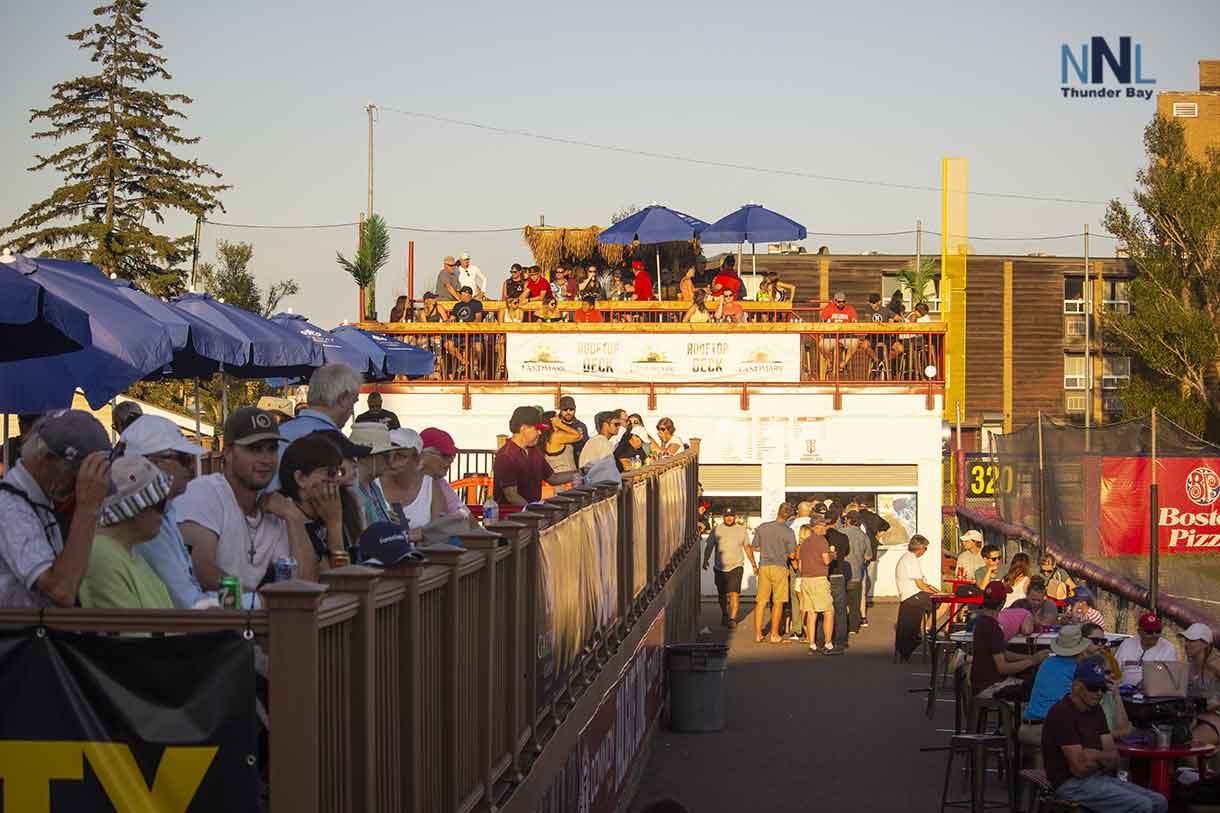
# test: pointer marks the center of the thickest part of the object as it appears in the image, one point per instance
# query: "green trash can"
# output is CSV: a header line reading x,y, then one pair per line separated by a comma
x,y
696,686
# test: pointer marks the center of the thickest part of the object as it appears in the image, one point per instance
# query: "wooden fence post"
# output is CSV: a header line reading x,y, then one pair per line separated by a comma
x,y
519,645
362,583
449,556
410,700
292,615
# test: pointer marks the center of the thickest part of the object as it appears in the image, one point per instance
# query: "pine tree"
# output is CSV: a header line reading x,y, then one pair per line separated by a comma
x,y
121,180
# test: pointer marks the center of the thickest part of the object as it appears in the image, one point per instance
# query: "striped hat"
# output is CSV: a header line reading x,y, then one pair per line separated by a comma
x,y
135,485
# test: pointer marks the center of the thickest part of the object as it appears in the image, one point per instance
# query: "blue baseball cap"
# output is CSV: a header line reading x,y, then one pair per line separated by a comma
x,y
1082,593
383,544
1091,673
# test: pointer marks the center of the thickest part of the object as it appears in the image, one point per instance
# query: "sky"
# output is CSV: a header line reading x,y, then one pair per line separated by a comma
x,y
863,90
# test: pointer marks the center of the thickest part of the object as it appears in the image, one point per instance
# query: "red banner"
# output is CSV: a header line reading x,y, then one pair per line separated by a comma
x,y
1188,492
612,740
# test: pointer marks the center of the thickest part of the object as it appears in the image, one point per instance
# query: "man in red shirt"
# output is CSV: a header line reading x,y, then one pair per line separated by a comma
x,y
727,279
520,467
643,282
837,311
536,285
587,312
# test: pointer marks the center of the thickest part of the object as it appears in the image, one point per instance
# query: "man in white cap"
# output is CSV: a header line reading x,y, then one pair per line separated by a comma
x,y
131,514
161,442
472,276
63,464
970,560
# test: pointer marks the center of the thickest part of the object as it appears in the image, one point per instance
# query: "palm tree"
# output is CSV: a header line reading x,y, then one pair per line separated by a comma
x,y
917,279
372,254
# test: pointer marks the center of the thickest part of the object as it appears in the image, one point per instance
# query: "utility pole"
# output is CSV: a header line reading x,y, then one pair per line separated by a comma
x,y
370,108
195,252
918,259
1088,356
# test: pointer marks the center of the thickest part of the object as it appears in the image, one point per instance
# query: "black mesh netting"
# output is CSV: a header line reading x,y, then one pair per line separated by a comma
x,y
1095,497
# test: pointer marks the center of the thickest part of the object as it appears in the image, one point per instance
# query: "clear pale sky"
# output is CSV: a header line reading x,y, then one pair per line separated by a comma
x,y
862,89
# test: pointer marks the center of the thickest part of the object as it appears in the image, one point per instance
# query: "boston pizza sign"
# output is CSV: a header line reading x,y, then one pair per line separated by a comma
x,y
1189,505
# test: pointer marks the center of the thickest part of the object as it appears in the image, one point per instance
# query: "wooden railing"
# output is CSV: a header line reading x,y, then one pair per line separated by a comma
x,y
431,686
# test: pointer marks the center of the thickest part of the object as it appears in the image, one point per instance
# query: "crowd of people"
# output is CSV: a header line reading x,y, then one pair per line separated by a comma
x,y
130,526
816,566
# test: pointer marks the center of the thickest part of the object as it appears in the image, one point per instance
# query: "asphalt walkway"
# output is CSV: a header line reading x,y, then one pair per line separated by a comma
x,y
807,732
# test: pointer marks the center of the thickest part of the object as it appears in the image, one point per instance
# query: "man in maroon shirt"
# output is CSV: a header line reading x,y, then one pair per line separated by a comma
x,y
520,467
993,666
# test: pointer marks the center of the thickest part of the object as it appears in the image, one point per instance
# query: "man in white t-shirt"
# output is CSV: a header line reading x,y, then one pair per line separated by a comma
x,y
1144,648
229,529
599,445
915,593
473,276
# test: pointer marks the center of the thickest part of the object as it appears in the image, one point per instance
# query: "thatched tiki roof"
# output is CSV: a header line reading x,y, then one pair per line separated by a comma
x,y
552,246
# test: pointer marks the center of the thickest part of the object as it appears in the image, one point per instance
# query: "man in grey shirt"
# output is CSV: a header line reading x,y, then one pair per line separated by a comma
x,y
729,540
776,545
860,548
448,281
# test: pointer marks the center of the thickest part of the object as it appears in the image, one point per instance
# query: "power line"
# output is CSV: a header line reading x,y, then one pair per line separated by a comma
x,y
726,164
321,226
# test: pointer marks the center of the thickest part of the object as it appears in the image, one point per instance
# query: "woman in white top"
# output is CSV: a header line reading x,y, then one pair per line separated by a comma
x,y
670,443
1017,578
413,498
698,312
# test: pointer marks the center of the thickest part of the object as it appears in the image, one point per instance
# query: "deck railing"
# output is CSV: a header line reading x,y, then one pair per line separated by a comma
x,y
434,686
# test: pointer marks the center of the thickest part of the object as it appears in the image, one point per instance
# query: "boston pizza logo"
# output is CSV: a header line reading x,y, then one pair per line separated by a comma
x,y
1202,486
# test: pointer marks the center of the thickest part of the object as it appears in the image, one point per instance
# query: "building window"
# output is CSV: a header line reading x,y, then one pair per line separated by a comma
x,y
1074,402
1116,372
891,283
1114,296
1073,372
1185,110
1073,294
1112,404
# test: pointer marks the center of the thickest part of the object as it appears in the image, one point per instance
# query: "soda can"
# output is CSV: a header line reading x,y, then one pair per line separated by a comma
x,y
230,593
340,558
285,569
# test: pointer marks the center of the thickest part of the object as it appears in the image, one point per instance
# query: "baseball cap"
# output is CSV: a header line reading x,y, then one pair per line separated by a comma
x,y
429,295
135,484
406,439
637,265
994,594
567,402
1198,632
438,439
639,432
1091,673
384,543
1070,641
524,416
465,289
277,405
125,412
346,447
1082,593
152,434
1150,622
728,512
840,296
73,434
251,425
373,434
464,256
450,261
973,535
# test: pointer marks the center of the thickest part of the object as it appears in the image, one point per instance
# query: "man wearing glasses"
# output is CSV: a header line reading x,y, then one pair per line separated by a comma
x,y
231,529
64,469
160,440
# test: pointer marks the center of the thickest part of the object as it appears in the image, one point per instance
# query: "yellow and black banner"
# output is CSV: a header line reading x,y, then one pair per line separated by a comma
x,y
93,722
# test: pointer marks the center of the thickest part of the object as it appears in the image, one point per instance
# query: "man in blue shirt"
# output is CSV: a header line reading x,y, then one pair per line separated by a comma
x,y
334,390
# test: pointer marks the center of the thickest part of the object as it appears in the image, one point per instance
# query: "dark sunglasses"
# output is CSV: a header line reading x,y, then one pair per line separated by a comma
x,y
1099,641
993,558
1095,689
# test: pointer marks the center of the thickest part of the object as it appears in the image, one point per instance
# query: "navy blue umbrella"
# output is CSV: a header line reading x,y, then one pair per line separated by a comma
x,y
753,224
33,321
364,357
653,224
124,345
400,357
271,349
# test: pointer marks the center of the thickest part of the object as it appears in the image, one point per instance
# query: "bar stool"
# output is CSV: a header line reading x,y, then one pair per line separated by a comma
x,y
1042,798
976,748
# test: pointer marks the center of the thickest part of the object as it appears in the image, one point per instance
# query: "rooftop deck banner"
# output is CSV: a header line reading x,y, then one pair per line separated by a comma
x,y
656,357
1189,510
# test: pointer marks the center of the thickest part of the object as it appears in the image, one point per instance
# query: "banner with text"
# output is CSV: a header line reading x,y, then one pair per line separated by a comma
x,y
657,357
1187,492
94,722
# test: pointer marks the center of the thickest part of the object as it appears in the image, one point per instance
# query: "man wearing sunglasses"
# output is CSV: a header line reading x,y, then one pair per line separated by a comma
x,y
1074,643
64,467
160,440
1080,754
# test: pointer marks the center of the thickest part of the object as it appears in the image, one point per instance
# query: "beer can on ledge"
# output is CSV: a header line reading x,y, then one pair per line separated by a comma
x,y
340,558
230,593
285,569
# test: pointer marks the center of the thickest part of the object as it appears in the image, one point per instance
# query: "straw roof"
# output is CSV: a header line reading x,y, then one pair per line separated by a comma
x,y
552,246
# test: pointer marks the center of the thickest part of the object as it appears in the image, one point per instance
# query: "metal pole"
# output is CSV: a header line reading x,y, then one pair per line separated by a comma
x,y
1088,357
195,251
198,433
918,256
657,295
224,396
958,405
1041,494
1154,528
114,433
5,447
411,272
753,264
372,287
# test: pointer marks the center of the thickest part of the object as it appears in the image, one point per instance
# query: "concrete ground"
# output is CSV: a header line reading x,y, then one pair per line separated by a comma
x,y
807,732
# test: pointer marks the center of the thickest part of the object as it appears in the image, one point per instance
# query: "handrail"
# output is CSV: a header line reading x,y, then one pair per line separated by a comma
x,y
850,328
1180,612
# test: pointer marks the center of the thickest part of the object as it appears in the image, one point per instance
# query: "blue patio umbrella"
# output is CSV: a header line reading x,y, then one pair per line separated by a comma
x,y
753,224
124,344
33,321
364,357
653,224
272,349
400,357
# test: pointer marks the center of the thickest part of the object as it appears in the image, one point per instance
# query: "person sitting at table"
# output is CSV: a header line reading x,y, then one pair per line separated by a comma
x,y
1053,681
1017,577
1059,585
990,571
1043,610
993,666
1081,607
1148,646
1080,753
1203,680
1015,621
970,560
915,595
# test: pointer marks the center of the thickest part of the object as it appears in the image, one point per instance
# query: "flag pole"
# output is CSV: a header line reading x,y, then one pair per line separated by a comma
x,y
1154,528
